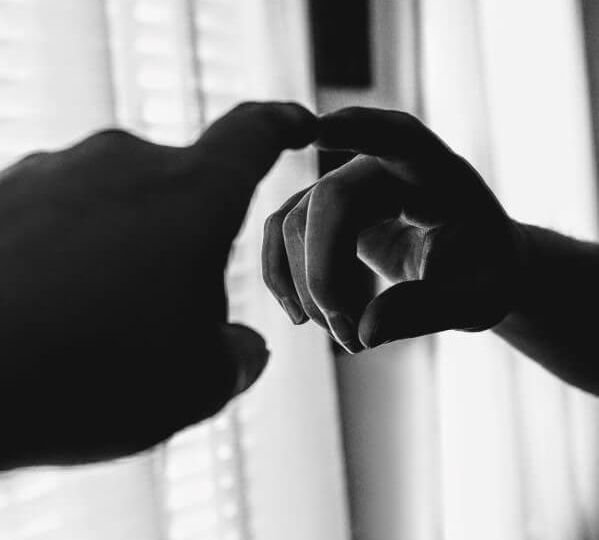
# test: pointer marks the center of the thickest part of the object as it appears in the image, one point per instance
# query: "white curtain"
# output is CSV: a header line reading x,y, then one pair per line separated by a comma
x,y
509,90
457,437
453,437
270,466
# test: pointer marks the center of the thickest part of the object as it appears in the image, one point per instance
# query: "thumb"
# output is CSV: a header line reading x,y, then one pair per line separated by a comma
x,y
247,352
417,308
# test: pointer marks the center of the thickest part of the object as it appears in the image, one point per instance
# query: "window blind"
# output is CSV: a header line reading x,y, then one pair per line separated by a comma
x,y
269,465
170,59
154,55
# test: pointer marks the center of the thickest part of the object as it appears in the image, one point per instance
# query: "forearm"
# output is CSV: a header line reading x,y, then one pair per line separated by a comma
x,y
553,318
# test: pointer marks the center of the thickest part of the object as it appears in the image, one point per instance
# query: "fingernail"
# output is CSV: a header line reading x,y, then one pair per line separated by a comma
x,y
293,309
345,331
304,124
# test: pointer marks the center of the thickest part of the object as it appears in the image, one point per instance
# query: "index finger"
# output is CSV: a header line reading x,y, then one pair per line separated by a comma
x,y
354,197
249,139
399,139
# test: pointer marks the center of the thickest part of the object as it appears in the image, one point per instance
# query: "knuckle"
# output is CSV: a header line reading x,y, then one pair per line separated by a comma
x,y
35,156
312,311
323,289
272,252
420,136
294,223
247,106
408,119
113,139
268,270
267,278
34,159
274,222
317,317
318,287
273,282
329,191
350,112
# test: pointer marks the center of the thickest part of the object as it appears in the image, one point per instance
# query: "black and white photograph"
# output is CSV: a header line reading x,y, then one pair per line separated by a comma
x,y
299,269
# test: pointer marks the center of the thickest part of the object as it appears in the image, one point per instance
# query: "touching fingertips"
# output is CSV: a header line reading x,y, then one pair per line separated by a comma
x,y
303,125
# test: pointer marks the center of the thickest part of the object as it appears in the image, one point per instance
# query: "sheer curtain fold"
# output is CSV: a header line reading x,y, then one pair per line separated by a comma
x,y
505,85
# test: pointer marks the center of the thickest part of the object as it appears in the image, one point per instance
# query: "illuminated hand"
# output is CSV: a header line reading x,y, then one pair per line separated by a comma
x,y
415,213
113,309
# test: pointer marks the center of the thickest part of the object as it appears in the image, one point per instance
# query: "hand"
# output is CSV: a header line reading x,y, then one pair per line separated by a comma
x,y
112,303
415,213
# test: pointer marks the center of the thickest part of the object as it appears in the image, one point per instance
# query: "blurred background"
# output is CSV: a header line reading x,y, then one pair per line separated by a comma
x,y
450,437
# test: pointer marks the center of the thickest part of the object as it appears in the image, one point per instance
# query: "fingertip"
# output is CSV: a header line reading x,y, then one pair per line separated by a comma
x,y
260,130
345,331
417,308
331,127
396,313
292,123
294,310
368,328
303,124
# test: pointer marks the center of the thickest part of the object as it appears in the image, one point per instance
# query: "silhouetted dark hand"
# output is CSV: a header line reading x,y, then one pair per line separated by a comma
x,y
414,212
112,302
